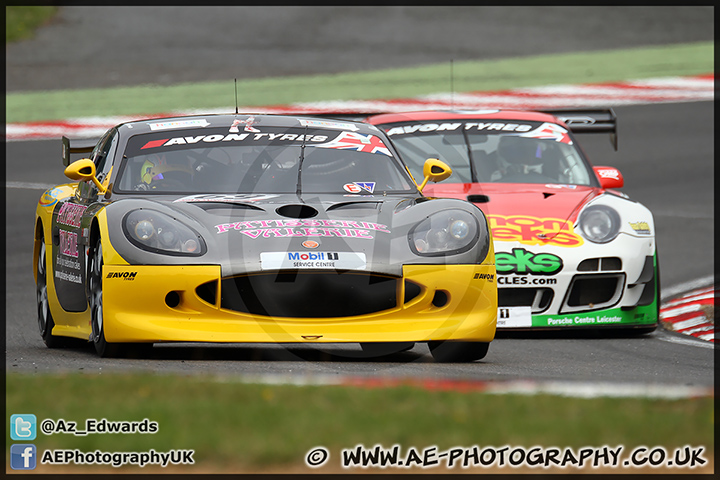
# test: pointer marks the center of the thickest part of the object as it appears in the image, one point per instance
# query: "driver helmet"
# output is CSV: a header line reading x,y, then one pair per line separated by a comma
x,y
524,153
147,171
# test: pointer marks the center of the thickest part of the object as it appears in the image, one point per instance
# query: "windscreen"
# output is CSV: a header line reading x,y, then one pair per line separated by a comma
x,y
215,160
500,151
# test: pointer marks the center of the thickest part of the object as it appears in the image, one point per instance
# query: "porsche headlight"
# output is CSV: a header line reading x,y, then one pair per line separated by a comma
x,y
599,223
444,233
159,233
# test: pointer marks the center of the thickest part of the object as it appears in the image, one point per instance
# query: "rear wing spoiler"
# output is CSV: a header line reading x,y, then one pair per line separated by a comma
x,y
588,120
77,146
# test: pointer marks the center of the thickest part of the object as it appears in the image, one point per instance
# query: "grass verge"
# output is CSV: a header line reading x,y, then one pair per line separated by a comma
x,y
21,22
249,427
573,68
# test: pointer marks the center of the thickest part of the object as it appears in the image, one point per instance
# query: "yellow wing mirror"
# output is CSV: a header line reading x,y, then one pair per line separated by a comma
x,y
435,170
84,170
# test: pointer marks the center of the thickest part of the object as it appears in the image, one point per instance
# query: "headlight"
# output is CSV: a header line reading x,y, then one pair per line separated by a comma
x,y
599,223
157,232
444,233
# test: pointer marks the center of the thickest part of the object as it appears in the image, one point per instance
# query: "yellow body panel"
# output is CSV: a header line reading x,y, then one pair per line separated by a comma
x,y
69,324
135,310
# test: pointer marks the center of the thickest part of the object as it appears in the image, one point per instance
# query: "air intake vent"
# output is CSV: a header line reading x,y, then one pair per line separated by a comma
x,y
297,211
309,294
354,206
537,298
596,264
593,292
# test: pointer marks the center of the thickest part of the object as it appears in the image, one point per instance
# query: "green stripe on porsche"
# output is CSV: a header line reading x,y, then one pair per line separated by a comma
x,y
570,68
645,315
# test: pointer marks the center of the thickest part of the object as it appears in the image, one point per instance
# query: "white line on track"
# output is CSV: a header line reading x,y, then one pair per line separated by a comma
x,y
683,340
29,185
687,286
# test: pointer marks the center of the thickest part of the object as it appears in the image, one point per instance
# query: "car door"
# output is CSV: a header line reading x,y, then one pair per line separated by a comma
x,y
71,217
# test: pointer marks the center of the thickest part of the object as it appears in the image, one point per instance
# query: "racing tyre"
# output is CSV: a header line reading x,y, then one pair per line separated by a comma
x,y
95,298
95,301
458,352
45,319
380,349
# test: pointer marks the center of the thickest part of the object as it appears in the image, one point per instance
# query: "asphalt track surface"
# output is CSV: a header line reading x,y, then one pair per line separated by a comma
x,y
666,157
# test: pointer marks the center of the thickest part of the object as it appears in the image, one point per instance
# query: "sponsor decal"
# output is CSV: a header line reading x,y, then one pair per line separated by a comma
x,y
369,186
509,317
551,185
584,320
123,275
357,187
223,198
534,231
295,260
484,276
352,188
70,214
546,131
68,243
313,256
641,228
478,112
310,244
357,141
523,262
517,317
453,126
65,262
68,277
179,124
549,131
248,125
513,280
328,124
303,228
233,137
50,197
611,173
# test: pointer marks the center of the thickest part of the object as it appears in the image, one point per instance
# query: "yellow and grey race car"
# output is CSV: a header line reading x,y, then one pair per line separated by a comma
x,y
241,228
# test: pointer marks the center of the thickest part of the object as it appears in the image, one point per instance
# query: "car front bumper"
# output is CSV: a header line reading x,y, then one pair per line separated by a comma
x,y
188,304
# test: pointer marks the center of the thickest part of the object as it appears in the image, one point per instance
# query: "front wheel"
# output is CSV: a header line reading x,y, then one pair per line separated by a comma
x,y
45,319
97,317
95,302
450,351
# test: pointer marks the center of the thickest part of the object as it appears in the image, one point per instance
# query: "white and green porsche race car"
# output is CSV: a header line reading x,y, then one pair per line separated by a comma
x,y
571,250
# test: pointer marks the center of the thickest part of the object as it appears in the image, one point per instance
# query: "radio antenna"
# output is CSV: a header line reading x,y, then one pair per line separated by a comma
x,y
452,86
298,191
236,102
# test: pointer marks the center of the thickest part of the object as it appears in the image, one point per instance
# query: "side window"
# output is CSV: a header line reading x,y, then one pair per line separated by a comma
x,y
100,155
